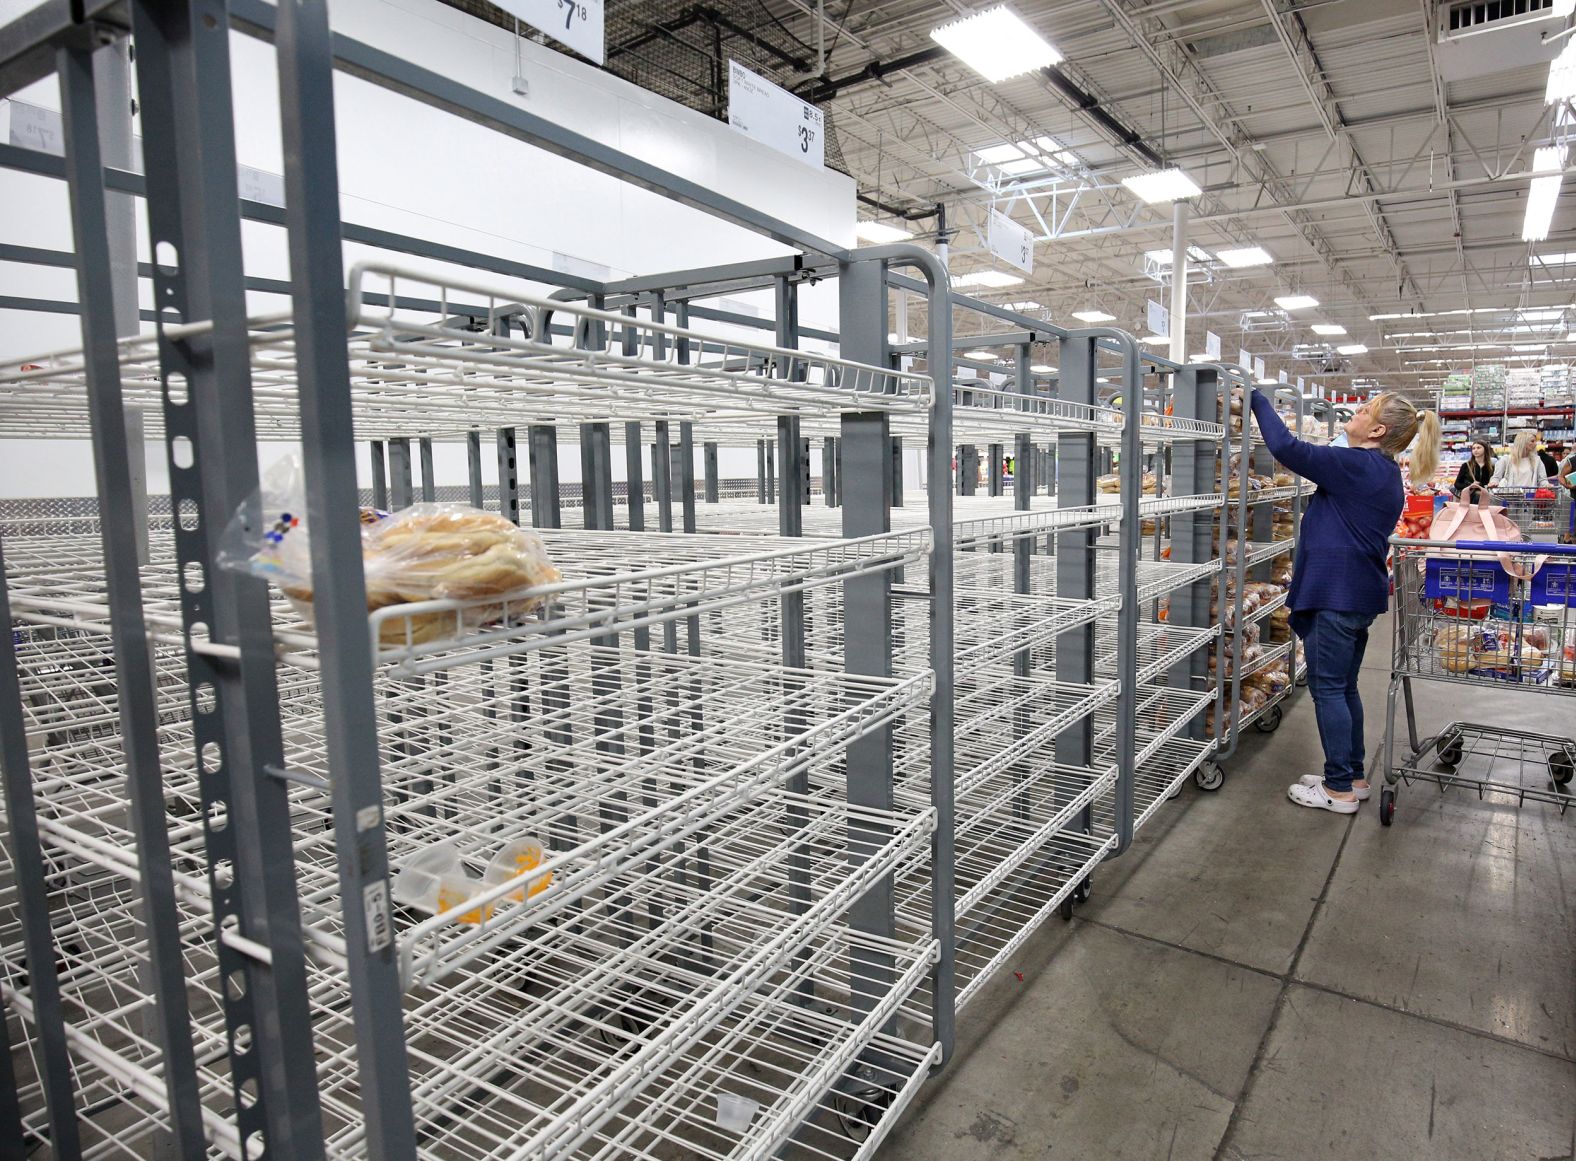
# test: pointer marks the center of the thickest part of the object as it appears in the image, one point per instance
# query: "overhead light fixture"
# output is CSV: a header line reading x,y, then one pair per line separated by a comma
x,y
1566,259
1328,329
980,356
1093,316
997,44
1296,301
1204,358
1543,193
1041,369
1571,338
1267,382
993,278
1352,349
1241,256
880,232
1162,185
1023,306
1155,340
1562,75
1163,257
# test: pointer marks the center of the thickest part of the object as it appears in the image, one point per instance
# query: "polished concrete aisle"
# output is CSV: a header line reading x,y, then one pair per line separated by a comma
x,y
1256,980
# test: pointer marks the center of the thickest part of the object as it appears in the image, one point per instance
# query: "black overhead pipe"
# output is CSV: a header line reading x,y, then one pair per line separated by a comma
x,y
817,91
1088,103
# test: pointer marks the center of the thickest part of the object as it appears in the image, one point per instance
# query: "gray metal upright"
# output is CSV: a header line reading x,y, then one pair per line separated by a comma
x,y
546,511
1195,395
429,479
596,476
635,473
508,474
1075,553
473,467
829,471
402,484
306,91
709,453
380,476
897,471
867,604
121,530
183,72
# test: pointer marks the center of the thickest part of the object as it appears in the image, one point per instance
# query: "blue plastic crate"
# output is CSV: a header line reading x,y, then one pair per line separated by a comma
x,y
1555,584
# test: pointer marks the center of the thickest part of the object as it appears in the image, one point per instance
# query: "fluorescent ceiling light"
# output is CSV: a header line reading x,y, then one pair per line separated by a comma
x,y
1055,150
1328,329
1155,340
999,154
994,278
1571,338
1296,301
980,356
1566,259
1562,75
1041,369
1529,346
1204,358
1267,382
1163,257
1352,349
1023,306
880,232
1543,193
1163,185
1093,316
1542,313
1245,256
1022,166
996,43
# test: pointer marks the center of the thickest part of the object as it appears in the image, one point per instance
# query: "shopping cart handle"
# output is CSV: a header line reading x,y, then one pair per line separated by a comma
x,y
1518,546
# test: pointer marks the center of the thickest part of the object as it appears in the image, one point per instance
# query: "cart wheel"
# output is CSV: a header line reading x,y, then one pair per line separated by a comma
x,y
1270,722
1302,681
1066,909
1209,776
1562,764
1085,890
860,1111
1386,806
1450,750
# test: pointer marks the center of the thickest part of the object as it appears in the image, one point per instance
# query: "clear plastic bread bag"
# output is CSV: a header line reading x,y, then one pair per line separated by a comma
x,y
427,552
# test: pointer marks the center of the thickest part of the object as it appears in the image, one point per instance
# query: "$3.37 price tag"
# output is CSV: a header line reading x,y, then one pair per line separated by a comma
x,y
576,24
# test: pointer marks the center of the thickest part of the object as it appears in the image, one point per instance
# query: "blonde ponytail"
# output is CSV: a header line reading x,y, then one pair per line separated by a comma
x,y
1425,451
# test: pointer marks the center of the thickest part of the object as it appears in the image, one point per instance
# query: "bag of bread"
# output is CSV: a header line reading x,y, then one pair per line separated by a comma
x,y
428,552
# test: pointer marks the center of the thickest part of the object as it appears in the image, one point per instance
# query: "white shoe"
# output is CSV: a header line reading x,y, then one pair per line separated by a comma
x,y
1317,796
1362,792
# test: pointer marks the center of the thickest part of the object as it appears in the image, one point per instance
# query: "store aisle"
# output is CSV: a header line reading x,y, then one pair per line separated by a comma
x,y
1256,980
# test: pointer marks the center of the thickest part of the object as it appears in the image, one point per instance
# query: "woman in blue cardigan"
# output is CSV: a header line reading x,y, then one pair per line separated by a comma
x,y
1340,582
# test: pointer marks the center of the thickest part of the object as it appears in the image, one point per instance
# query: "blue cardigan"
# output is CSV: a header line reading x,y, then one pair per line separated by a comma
x,y
1346,526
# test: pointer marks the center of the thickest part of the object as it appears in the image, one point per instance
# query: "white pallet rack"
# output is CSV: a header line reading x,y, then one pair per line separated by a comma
x,y
722,832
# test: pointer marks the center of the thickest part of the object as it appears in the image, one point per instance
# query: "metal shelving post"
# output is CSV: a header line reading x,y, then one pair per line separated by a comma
x,y
1076,453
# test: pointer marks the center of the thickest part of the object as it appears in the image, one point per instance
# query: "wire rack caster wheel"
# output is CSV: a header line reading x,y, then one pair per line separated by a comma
x,y
1271,721
1209,776
1386,806
1079,894
860,1110
1302,681
1562,764
1450,750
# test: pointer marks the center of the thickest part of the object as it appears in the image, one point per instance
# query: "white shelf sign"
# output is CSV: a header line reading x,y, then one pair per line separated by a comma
x,y
1244,360
1258,368
774,116
1157,318
577,24
1212,344
1011,242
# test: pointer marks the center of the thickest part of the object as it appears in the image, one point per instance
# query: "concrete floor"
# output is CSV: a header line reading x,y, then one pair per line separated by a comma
x,y
1255,980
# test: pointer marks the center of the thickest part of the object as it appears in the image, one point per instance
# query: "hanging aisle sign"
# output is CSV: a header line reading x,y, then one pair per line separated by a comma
x,y
1212,345
774,116
1244,360
1156,317
576,24
1011,242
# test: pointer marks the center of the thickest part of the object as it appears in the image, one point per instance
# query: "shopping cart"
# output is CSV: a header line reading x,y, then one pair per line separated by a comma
x,y
1483,613
1538,512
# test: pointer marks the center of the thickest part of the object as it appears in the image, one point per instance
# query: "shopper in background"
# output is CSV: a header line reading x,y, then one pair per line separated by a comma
x,y
1550,461
1478,468
1339,583
1520,467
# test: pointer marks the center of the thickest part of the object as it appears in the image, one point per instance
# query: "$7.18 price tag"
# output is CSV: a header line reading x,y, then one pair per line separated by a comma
x,y
575,23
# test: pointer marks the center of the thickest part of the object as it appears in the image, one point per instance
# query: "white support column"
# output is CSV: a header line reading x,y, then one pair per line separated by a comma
x,y
1179,281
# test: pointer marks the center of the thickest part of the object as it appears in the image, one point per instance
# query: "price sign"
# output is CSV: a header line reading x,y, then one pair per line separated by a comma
x,y
1157,317
576,24
1244,360
1011,242
1212,344
774,116
1258,368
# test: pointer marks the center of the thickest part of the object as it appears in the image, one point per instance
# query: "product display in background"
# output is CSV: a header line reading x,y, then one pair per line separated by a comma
x,y
427,552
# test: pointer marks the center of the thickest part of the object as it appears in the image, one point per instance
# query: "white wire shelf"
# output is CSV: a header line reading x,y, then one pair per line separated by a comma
x,y
1159,648
411,374
1162,713
1000,719
619,581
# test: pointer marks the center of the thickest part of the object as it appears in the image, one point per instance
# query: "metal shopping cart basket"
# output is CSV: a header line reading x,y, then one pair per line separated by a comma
x,y
1484,613
1541,513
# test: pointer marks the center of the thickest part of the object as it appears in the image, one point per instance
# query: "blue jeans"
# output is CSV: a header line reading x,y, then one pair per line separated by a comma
x,y
1334,644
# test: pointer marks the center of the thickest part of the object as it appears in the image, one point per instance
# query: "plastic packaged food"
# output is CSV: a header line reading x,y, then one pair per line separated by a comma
x,y
434,880
514,859
426,552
